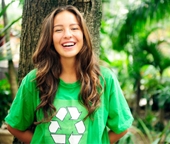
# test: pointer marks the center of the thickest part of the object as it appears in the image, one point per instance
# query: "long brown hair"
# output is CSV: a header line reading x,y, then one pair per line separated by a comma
x,y
47,62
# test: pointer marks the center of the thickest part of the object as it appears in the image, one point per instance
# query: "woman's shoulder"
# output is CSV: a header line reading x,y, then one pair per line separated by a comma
x,y
30,76
107,72
108,75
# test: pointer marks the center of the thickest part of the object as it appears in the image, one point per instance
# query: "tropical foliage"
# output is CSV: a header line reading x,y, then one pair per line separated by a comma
x,y
6,98
8,86
135,43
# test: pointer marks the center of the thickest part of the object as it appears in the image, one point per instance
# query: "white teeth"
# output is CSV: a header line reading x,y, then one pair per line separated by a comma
x,y
68,44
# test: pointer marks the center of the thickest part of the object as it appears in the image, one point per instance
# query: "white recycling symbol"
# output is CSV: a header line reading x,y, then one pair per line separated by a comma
x,y
54,126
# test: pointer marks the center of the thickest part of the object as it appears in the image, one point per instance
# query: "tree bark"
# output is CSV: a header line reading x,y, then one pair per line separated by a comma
x,y
35,11
136,111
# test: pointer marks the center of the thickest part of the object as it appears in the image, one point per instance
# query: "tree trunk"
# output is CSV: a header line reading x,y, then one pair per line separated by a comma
x,y
138,96
161,109
12,78
33,14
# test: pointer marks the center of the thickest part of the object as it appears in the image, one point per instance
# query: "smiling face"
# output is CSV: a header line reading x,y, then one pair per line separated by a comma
x,y
67,35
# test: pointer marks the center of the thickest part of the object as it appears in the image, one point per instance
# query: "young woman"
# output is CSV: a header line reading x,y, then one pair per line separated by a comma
x,y
69,97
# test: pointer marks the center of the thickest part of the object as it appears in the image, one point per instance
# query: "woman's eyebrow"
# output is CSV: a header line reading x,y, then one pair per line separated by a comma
x,y
62,25
58,25
74,24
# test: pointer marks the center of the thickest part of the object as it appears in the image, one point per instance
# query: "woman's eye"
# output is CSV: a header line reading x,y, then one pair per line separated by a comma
x,y
75,28
58,30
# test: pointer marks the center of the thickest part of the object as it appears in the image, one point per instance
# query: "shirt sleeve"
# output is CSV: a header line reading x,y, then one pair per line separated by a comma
x,y
21,113
119,117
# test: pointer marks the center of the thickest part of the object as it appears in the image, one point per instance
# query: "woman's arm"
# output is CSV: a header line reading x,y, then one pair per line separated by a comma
x,y
115,137
24,136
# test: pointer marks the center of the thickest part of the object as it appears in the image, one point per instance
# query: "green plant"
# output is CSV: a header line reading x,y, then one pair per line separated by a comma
x,y
9,25
134,136
6,99
144,135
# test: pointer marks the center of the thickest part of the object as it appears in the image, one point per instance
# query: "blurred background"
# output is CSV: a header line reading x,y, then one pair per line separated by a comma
x,y
134,43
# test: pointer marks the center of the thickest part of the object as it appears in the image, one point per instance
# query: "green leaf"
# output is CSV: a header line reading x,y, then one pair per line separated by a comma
x,y
148,133
5,8
9,25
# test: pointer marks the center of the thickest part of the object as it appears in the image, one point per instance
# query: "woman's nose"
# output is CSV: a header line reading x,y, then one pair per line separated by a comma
x,y
67,34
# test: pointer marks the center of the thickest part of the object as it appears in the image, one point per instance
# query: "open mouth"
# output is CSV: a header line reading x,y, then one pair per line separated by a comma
x,y
68,44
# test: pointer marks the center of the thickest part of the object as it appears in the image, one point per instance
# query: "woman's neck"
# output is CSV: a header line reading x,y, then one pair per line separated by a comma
x,y
68,73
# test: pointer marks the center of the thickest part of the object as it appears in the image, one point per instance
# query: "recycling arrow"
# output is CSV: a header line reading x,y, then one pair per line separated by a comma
x,y
74,113
59,139
80,127
74,139
61,113
54,126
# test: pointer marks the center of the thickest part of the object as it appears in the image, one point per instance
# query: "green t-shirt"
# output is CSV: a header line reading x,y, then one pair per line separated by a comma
x,y
68,125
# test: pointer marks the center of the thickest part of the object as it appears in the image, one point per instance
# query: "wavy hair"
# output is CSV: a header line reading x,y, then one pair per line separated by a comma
x,y
47,62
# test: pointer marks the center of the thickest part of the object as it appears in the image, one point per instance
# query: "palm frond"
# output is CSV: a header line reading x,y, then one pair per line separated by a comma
x,y
5,8
2,31
138,19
